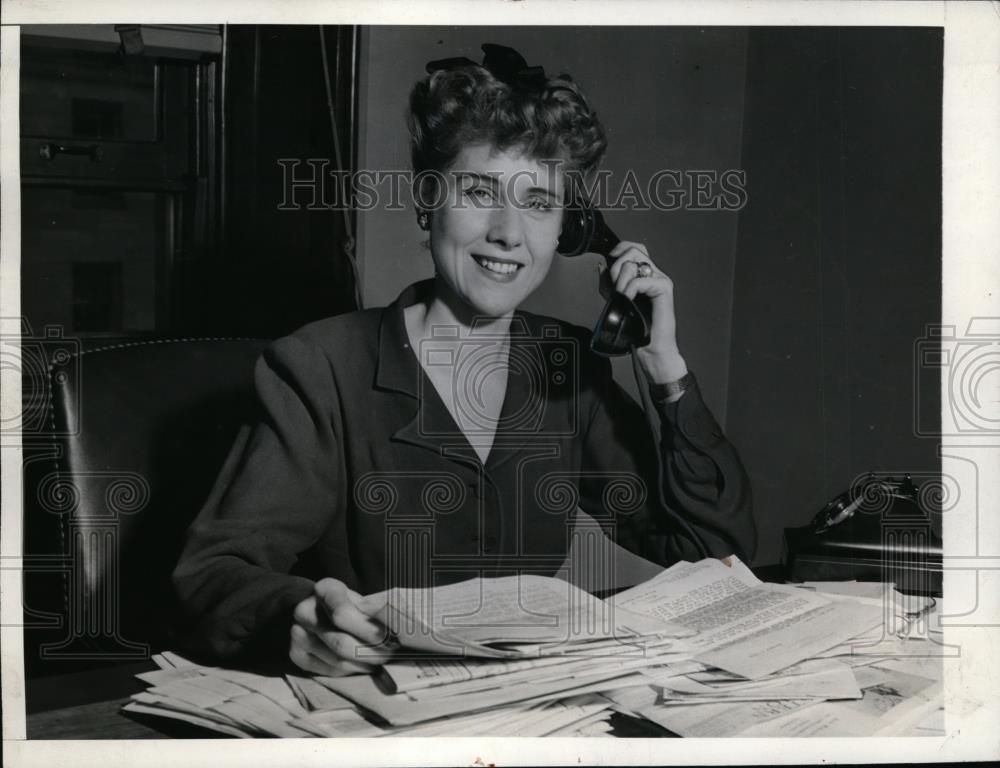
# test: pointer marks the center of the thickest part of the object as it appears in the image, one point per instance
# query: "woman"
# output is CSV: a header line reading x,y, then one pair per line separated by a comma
x,y
435,439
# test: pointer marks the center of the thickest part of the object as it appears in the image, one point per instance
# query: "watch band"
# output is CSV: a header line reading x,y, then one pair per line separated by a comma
x,y
672,388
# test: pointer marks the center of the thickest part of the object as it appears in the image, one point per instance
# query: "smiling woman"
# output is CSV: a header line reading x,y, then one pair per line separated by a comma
x,y
453,435
494,240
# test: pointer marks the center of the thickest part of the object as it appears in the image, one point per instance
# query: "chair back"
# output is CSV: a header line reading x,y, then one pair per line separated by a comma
x,y
139,432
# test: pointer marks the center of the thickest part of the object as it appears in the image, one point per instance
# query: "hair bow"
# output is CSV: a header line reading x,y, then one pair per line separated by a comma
x,y
504,63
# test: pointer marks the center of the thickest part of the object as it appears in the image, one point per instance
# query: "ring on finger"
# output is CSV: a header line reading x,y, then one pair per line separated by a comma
x,y
645,269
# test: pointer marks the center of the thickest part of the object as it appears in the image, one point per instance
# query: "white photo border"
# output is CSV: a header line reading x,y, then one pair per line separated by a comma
x,y
971,277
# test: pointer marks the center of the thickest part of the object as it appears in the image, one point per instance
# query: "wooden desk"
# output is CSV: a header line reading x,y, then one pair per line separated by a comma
x,y
87,705
100,720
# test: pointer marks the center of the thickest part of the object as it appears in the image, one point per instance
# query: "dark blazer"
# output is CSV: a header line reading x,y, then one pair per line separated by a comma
x,y
355,469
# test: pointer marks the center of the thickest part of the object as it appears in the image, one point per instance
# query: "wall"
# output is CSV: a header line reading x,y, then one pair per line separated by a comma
x,y
669,98
278,269
839,264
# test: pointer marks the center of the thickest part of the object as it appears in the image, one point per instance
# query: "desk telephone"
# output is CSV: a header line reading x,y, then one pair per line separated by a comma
x,y
879,530
624,323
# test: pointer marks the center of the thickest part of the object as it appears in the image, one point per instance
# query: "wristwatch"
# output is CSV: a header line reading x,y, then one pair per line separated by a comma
x,y
672,389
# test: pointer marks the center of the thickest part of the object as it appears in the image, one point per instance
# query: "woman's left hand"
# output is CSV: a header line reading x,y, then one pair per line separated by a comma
x,y
661,359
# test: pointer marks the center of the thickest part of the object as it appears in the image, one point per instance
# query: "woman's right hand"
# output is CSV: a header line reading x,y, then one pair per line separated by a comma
x,y
331,636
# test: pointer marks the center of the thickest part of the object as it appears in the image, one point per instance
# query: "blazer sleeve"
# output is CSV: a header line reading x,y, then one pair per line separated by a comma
x,y
694,492
274,497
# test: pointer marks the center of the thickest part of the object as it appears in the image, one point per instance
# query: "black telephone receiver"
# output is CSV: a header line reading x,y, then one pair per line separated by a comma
x,y
624,323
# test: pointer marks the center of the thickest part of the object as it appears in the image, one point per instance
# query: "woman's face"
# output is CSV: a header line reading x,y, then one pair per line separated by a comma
x,y
495,234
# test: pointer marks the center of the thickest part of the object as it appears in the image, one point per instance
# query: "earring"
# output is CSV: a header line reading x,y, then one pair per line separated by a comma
x,y
424,220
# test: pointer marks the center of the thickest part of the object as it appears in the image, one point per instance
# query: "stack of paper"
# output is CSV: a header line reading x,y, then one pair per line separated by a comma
x,y
238,703
509,617
866,660
701,649
243,704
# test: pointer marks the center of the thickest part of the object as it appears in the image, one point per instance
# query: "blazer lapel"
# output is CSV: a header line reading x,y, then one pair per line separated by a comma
x,y
527,415
524,415
427,423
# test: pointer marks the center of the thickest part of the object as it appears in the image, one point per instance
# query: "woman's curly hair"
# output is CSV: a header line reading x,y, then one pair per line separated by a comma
x,y
453,108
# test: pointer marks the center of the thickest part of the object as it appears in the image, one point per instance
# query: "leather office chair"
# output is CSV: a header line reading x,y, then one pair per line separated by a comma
x,y
138,433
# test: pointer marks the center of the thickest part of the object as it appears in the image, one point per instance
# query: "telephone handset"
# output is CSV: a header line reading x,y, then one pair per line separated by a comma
x,y
624,323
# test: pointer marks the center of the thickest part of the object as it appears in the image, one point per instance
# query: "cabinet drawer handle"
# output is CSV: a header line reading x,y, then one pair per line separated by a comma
x,y
49,150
